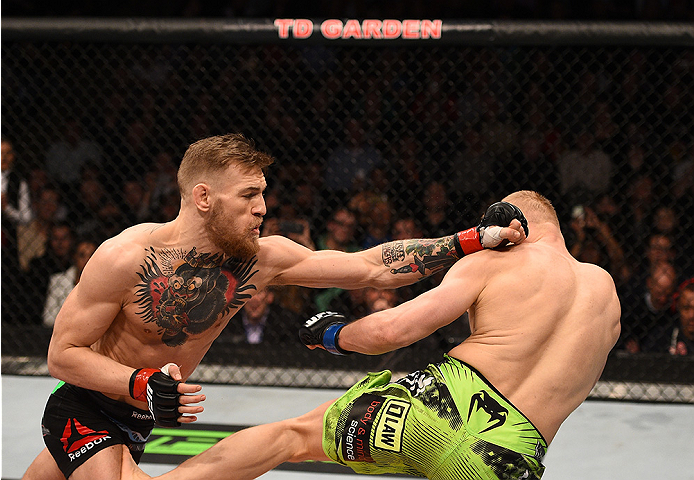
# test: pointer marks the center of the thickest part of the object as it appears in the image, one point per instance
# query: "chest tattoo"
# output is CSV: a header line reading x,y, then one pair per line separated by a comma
x,y
186,293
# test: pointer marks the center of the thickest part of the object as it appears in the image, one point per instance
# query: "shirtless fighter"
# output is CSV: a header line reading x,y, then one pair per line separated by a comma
x,y
542,325
159,294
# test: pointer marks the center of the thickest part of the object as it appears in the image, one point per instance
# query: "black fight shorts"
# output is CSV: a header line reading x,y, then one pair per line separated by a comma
x,y
78,423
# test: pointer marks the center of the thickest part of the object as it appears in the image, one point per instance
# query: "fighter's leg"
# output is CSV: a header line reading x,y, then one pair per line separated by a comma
x,y
43,468
251,452
104,465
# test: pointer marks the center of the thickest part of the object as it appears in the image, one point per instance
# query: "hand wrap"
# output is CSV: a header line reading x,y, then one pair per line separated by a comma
x,y
324,329
488,233
160,391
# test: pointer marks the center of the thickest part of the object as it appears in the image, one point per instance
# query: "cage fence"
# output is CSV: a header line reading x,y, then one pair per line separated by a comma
x,y
372,139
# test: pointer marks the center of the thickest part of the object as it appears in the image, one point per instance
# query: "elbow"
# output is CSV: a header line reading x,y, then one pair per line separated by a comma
x,y
53,365
53,360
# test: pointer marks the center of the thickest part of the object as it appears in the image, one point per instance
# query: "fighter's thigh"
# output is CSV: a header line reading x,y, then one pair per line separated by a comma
x,y
43,468
104,465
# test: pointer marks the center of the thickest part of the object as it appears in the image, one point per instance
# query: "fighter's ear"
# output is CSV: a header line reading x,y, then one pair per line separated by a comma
x,y
201,196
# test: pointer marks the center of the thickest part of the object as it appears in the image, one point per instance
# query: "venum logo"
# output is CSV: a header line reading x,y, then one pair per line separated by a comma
x,y
483,401
391,425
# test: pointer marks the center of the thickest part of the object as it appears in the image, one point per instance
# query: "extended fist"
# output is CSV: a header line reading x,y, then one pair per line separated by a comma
x,y
502,223
498,216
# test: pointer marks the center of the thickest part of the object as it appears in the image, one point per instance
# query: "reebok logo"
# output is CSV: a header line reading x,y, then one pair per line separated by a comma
x,y
78,439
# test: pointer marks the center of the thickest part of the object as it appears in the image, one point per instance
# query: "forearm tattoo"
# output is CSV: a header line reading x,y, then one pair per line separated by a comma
x,y
424,256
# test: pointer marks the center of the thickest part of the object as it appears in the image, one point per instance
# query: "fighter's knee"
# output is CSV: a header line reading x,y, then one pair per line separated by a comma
x,y
305,436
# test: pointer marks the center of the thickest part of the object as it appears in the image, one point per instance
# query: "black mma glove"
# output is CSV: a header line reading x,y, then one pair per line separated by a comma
x,y
160,391
488,233
324,329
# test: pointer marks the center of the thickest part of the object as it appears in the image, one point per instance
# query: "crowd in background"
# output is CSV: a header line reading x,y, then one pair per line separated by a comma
x,y
396,152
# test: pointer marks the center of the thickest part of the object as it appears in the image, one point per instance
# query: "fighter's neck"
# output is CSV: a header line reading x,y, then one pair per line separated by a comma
x,y
545,233
186,233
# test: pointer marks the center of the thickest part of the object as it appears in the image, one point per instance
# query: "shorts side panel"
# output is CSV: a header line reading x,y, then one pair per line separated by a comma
x,y
379,427
75,428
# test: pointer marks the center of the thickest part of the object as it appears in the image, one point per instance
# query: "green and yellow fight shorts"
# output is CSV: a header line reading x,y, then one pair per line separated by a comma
x,y
445,422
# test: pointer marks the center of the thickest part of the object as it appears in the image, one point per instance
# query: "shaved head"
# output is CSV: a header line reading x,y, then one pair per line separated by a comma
x,y
534,206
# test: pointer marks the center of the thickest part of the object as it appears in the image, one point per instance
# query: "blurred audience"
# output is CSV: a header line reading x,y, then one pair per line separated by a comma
x,y
585,171
67,155
16,210
32,238
61,284
592,241
646,310
57,257
681,339
261,320
339,235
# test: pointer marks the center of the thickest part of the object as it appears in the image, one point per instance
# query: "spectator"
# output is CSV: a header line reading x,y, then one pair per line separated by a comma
x,y
61,284
286,222
32,237
499,131
339,235
406,227
378,223
16,199
67,156
471,170
437,217
682,336
647,318
161,179
352,161
684,175
659,249
84,210
37,180
641,198
340,231
57,258
594,242
261,320
112,219
136,202
585,171
16,210
530,169
379,299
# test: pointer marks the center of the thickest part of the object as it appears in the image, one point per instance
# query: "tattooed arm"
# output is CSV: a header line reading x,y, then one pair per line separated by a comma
x,y
389,265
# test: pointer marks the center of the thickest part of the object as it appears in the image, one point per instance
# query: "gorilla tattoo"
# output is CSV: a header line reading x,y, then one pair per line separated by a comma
x,y
185,294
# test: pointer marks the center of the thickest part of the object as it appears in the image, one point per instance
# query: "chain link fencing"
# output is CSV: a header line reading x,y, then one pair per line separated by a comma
x,y
373,140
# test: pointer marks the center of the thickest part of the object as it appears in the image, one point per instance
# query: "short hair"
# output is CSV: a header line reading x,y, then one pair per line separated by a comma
x,y
534,206
211,155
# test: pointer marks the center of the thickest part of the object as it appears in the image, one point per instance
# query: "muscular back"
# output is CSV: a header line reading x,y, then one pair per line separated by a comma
x,y
542,327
